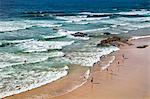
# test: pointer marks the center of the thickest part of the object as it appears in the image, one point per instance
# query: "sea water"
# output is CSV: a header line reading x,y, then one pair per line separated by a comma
x,y
36,41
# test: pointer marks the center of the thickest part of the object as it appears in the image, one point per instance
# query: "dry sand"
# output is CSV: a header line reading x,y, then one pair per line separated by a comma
x,y
126,78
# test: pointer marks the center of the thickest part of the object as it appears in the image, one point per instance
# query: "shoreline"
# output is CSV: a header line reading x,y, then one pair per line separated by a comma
x,y
119,82
94,68
59,86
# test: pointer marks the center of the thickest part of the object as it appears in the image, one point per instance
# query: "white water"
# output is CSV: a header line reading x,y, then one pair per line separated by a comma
x,y
139,37
33,80
10,59
109,63
24,24
89,58
36,79
40,46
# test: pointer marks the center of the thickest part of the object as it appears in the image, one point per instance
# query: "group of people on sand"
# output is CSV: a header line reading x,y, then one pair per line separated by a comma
x,y
107,69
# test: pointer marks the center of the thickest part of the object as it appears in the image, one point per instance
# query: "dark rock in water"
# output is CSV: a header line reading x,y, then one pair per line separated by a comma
x,y
146,21
5,44
55,28
144,46
115,41
107,33
136,15
103,15
80,34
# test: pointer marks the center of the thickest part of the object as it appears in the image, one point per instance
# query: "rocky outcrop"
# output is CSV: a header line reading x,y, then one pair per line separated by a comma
x,y
107,33
56,28
80,34
115,41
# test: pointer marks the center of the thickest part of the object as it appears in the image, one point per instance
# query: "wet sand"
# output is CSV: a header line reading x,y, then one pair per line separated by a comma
x,y
126,78
66,84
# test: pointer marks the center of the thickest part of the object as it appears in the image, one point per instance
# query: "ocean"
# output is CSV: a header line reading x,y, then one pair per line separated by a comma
x,y
37,41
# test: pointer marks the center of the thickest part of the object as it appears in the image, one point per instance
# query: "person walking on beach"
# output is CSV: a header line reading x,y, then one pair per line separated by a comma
x,y
123,56
107,69
92,79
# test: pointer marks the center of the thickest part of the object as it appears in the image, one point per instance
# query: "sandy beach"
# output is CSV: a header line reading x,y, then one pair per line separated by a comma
x,y
126,78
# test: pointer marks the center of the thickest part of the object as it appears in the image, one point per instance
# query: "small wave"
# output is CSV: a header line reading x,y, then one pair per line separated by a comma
x,y
109,63
139,19
89,58
142,12
75,19
29,80
25,24
139,37
79,38
139,26
53,37
65,32
13,26
40,46
49,25
115,22
10,59
90,13
4,43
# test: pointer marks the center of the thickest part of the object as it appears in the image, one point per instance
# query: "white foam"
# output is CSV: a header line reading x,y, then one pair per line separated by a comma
x,y
79,38
89,58
42,23
87,74
9,59
90,13
135,19
16,41
33,80
52,36
140,25
94,30
65,32
127,24
23,24
48,25
76,19
115,21
13,25
39,46
109,63
139,37
83,22
1,43
142,12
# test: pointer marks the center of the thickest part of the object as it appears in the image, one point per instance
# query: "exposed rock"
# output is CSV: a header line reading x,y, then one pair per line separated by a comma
x,y
107,33
55,28
5,44
80,34
144,46
115,41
